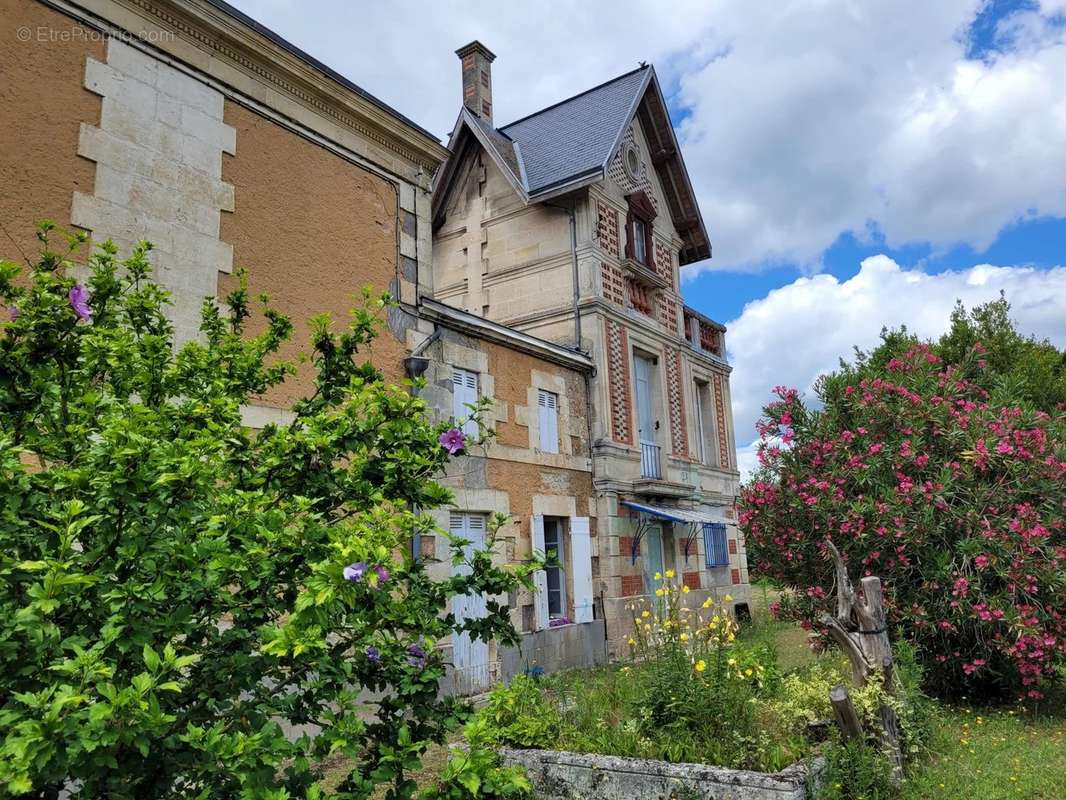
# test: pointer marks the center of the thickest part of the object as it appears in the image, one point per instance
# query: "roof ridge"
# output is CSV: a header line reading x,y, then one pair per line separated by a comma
x,y
573,97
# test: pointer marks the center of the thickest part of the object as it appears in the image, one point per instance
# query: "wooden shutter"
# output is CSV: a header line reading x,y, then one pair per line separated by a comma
x,y
548,415
465,394
540,578
581,568
714,544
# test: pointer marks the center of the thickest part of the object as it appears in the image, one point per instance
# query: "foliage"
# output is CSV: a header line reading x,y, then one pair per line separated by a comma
x,y
474,772
945,480
855,770
695,691
178,590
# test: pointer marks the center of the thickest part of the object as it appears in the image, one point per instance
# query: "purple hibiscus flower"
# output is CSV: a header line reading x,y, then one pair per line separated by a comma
x,y
453,441
355,572
79,301
14,312
373,655
383,574
416,656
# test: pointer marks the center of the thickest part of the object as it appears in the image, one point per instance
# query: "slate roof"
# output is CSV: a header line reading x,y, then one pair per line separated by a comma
x,y
569,145
578,135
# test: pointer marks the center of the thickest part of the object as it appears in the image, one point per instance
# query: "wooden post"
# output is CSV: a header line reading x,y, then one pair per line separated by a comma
x,y
860,629
844,711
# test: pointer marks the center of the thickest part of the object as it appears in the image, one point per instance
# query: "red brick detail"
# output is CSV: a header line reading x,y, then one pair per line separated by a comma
x,y
664,263
691,580
607,228
736,576
733,547
632,585
719,411
668,314
618,381
676,395
638,297
614,283
710,340
625,546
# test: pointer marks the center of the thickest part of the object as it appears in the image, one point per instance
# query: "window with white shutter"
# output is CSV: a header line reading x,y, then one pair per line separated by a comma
x,y
465,394
548,414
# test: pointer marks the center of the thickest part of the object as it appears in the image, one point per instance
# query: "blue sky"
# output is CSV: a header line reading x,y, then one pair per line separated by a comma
x,y
857,164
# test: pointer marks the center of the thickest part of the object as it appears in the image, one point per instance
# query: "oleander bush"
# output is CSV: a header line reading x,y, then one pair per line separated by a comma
x,y
940,468
192,609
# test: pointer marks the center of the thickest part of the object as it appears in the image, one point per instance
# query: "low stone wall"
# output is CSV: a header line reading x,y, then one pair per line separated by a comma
x,y
558,775
554,649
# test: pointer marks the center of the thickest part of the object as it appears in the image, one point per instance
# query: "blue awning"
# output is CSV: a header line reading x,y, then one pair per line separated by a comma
x,y
684,515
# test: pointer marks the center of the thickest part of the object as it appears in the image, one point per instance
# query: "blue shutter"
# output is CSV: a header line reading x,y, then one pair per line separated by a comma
x,y
714,544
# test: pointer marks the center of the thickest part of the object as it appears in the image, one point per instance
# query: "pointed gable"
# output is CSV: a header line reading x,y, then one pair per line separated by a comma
x,y
573,143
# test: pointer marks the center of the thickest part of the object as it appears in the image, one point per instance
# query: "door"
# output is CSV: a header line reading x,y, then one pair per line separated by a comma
x,y
645,423
470,658
653,559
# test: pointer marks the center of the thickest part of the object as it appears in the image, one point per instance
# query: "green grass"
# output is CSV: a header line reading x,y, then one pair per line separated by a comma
x,y
992,755
974,753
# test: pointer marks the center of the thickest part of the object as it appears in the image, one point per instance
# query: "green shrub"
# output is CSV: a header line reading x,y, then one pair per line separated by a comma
x,y
474,772
176,588
856,771
520,715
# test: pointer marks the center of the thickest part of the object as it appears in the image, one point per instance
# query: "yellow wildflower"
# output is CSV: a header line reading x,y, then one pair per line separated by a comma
x,y
669,573
645,614
659,592
748,672
701,665
684,637
728,598
658,576
632,642
685,589
708,603
732,662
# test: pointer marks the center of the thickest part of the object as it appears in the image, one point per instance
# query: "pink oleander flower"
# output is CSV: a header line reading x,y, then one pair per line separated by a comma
x,y
79,301
453,441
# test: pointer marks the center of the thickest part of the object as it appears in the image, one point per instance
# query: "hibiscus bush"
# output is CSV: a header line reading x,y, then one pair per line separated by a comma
x,y
193,609
945,479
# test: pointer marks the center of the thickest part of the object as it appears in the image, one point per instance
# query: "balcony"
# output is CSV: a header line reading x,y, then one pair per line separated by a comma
x,y
650,466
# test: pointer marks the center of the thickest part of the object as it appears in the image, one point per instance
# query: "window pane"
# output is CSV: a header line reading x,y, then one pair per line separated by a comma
x,y
638,241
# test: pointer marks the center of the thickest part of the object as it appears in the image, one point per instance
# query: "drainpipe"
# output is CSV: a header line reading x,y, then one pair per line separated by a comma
x,y
415,366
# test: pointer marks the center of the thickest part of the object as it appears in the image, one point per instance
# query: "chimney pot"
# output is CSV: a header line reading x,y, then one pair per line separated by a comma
x,y
476,60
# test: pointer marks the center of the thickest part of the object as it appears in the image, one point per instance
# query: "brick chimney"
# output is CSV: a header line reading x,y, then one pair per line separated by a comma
x,y
477,78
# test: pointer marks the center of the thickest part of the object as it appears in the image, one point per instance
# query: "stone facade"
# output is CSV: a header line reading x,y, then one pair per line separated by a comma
x,y
508,258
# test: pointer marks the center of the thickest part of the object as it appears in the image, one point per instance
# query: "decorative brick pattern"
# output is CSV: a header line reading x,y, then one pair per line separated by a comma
x,y
617,171
632,585
691,580
719,411
675,393
732,547
618,380
668,314
607,228
736,575
625,547
664,263
614,284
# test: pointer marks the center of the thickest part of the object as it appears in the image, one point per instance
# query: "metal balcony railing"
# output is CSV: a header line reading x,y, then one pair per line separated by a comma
x,y
649,461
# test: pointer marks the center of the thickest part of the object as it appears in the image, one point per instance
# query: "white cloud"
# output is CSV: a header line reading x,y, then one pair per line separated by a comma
x,y
808,118
801,330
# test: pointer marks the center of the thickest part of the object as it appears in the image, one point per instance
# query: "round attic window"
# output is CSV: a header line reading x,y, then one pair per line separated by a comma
x,y
632,161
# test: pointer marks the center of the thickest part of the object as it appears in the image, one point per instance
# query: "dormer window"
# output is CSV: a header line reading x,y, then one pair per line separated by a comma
x,y
640,241
638,229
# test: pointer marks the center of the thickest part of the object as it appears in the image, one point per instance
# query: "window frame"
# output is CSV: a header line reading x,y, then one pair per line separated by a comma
x,y
715,550
555,524
642,210
459,399
548,405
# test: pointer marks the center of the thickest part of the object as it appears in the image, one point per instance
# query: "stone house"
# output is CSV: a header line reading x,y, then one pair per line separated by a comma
x,y
572,224
189,124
